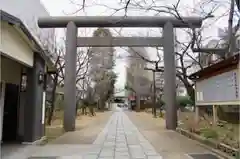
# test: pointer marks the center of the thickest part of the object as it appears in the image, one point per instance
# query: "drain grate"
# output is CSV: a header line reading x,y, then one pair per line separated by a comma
x,y
203,156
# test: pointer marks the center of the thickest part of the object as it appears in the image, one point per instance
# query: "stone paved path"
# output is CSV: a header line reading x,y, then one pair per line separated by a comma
x,y
120,139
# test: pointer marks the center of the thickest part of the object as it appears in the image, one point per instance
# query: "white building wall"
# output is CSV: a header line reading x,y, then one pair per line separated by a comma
x,y
29,11
14,46
10,71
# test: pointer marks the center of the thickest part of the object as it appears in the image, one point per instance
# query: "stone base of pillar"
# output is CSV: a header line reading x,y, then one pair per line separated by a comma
x,y
215,117
37,142
197,114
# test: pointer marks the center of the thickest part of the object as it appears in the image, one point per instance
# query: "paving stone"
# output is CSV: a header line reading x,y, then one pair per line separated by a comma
x,y
122,157
90,157
120,139
108,143
44,157
121,144
107,153
122,153
136,151
121,149
151,152
69,157
154,157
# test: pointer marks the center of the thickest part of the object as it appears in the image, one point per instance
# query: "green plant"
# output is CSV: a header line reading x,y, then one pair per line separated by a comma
x,y
209,133
237,155
184,101
161,102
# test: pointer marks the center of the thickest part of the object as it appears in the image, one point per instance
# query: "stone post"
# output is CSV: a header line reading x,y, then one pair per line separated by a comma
x,y
70,78
169,77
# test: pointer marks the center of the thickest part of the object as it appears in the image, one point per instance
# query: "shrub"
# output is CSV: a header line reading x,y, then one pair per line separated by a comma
x,y
209,133
161,102
237,155
184,101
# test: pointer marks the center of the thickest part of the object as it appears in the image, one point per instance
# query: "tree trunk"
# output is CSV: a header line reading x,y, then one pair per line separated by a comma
x,y
52,107
91,110
102,104
188,86
138,103
83,110
191,92
76,108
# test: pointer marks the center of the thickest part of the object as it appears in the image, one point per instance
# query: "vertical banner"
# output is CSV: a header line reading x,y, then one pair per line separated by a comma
x,y
43,107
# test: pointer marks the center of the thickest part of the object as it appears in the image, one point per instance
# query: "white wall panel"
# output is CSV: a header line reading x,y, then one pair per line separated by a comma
x,y
219,90
14,45
10,71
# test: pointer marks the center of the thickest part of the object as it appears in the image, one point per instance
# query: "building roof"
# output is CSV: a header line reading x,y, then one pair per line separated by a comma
x,y
12,20
222,65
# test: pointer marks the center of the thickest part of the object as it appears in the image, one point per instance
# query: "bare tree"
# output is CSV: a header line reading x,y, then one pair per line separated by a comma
x,y
187,60
102,63
56,79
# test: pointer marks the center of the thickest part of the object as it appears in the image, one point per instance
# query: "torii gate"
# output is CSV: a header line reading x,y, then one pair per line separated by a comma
x,y
72,42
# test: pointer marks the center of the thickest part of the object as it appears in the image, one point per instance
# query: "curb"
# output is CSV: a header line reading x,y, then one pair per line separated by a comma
x,y
41,141
209,144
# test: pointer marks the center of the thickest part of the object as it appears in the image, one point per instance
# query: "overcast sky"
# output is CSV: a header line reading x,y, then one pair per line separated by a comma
x,y
97,8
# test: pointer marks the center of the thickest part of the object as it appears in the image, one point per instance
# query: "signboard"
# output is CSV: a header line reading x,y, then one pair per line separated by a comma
x,y
222,89
43,107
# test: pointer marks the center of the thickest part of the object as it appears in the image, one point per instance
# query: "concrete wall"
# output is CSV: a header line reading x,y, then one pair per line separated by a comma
x,y
33,126
22,103
10,71
30,123
14,45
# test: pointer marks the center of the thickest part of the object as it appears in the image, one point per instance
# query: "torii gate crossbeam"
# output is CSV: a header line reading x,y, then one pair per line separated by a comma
x,y
118,21
72,42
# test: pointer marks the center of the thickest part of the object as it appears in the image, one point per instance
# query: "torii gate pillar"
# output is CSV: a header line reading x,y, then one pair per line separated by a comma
x,y
70,77
169,76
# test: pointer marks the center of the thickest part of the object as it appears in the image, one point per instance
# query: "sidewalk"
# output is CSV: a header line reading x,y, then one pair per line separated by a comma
x,y
127,135
120,139
170,144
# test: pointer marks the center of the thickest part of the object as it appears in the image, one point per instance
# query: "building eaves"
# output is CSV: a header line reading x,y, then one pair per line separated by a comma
x,y
231,61
12,20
